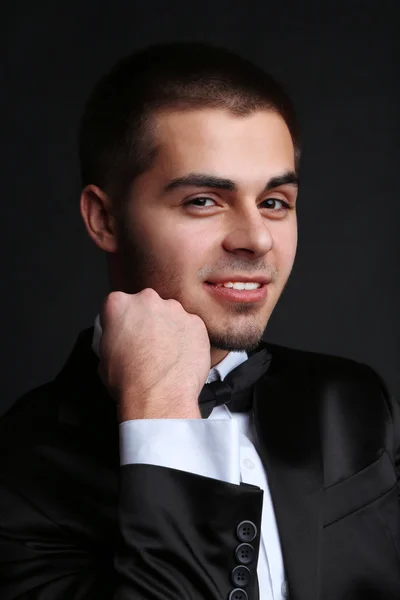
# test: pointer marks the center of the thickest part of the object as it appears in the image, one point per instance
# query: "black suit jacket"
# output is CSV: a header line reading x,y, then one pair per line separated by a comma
x,y
74,525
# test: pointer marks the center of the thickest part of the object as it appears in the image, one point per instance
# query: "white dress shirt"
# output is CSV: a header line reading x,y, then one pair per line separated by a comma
x,y
221,447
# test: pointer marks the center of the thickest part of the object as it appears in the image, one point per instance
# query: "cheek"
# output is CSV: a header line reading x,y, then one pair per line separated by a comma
x,y
285,246
176,246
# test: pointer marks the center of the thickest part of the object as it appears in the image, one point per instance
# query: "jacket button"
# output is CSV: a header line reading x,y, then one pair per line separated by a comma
x,y
241,576
238,594
246,531
244,553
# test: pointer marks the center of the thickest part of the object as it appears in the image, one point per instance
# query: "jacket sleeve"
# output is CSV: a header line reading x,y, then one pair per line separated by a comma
x,y
176,539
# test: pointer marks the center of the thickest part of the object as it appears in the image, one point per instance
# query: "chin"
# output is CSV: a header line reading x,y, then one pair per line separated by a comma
x,y
236,341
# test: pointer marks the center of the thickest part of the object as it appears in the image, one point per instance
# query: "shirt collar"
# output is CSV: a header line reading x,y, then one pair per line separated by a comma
x,y
219,371
223,368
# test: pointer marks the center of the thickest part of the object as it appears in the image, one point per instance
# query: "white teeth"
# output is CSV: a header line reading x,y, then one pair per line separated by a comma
x,y
239,285
252,285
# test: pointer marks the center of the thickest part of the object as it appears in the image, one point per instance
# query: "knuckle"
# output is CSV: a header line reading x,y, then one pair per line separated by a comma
x,y
197,320
116,298
195,317
149,293
174,303
111,304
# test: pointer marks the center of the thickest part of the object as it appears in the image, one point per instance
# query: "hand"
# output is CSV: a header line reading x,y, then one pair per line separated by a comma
x,y
154,356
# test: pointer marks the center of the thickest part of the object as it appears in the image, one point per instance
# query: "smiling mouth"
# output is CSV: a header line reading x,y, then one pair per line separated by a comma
x,y
239,291
239,285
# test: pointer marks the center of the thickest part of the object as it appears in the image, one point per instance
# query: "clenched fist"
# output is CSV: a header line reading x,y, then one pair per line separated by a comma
x,y
154,356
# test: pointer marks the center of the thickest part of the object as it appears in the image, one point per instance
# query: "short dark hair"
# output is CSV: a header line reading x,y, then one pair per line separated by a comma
x,y
115,140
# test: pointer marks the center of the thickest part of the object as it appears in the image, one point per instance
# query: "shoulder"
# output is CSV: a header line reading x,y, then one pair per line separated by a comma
x,y
348,396
319,364
30,420
35,405
330,377
39,408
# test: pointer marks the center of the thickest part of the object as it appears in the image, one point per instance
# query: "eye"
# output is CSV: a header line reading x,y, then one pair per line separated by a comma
x,y
275,203
200,202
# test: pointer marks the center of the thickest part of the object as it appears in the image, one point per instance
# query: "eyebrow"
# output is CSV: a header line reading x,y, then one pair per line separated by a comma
x,y
201,180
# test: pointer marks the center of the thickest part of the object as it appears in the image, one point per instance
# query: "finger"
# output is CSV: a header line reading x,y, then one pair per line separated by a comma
x,y
111,305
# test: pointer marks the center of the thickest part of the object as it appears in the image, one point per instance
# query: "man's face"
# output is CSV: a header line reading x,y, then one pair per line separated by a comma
x,y
217,208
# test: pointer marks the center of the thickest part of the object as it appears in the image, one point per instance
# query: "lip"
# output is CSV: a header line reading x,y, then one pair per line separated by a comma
x,y
232,295
263,279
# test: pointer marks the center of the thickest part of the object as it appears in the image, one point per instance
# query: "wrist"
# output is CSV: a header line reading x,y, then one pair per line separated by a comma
x,y
131,407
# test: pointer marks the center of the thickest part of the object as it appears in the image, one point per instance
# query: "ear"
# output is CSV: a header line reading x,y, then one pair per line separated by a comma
x,y
97,214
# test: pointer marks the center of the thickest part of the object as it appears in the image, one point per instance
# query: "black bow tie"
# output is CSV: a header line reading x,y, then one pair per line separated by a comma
x,y
235,390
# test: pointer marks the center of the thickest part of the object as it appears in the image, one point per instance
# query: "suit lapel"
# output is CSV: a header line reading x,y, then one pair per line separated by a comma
x,y
286,418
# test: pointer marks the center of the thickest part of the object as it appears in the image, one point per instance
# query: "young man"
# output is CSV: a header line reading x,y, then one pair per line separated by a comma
x,y
130,478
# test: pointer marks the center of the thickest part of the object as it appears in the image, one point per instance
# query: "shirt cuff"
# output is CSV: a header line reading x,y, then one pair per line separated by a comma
x,y
200,446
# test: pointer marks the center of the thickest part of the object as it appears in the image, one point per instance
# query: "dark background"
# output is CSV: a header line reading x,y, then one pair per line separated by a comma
x,y
340,63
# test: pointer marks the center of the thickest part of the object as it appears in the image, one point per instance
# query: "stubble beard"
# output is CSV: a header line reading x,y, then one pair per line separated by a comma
x,y
142,270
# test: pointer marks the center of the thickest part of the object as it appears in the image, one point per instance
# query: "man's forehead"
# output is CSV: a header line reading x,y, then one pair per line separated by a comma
x,y
184,123
224,145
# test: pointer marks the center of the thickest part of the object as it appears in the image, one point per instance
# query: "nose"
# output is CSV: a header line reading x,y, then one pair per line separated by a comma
x,y
249,234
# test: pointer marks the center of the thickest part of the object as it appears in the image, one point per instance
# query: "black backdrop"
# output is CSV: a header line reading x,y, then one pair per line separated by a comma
x,y
340,63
